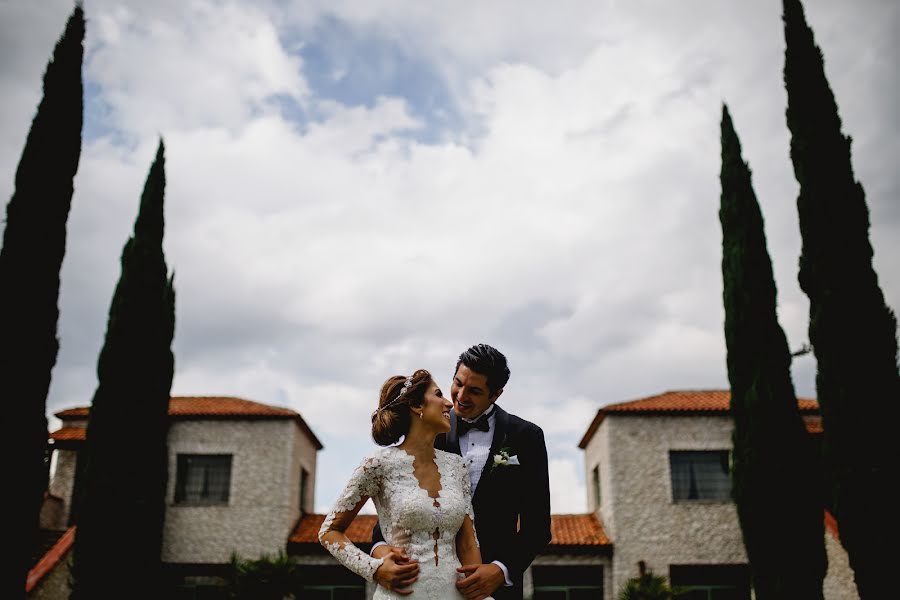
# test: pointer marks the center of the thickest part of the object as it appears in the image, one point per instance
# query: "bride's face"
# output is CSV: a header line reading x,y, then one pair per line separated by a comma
x,y
436,409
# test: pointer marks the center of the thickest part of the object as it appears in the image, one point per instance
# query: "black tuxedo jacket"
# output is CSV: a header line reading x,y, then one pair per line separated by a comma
x,y
512,503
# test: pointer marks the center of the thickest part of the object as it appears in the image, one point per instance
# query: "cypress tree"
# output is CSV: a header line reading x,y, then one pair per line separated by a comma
x,y
774,482
852,331
122,508
34,243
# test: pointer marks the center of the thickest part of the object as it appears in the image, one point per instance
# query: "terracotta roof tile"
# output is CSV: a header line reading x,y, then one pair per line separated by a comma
x,y
679,402
203,406
69,434
50,559
690,401
577,530
307,530
217,407
813,423
568,530
831,526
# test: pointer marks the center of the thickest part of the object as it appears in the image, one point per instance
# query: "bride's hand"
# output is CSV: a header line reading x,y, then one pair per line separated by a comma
x,y
397,572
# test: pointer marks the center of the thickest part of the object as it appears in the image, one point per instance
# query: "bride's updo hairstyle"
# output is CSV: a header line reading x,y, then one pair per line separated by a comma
x,y
391,420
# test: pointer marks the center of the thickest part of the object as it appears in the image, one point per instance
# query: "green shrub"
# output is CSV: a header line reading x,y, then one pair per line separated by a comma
x,y
266,578
648,586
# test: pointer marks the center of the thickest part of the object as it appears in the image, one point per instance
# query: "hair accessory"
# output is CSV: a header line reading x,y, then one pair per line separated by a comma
x,y
406,385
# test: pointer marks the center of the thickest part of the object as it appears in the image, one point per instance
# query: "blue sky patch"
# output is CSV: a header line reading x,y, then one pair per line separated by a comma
x,y
357,67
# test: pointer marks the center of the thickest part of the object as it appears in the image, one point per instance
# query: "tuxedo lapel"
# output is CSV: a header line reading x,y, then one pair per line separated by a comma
x,y
453,435
500,426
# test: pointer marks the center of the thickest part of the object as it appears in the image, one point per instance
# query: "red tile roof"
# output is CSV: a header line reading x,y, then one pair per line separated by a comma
x,y
831,526
50,559
213,407
69,434
813,424
679,402
307,530
568,530
577,530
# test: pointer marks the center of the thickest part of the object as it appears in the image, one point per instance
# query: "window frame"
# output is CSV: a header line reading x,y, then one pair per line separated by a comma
x,y
595,483
731,577
182,468
555,578
724,458
304,483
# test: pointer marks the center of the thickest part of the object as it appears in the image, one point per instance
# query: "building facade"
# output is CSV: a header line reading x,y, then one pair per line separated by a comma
x,y
242,479
241,474
657,473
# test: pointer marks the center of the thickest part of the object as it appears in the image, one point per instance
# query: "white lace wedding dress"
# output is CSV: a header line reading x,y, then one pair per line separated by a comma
x,y
424,526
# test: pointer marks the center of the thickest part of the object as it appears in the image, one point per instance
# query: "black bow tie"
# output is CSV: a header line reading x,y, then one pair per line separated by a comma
x,y
479,423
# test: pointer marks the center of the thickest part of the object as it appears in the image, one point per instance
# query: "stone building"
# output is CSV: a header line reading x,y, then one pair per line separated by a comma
x,y
657,474
241,474
242,477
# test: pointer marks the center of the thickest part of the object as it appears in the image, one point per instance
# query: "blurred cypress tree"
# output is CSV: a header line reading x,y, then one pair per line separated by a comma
x,y
851,329
122,506
775,480
34,243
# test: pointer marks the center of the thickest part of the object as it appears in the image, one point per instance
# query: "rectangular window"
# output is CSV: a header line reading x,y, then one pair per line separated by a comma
x,y
575,582
322,582
203,479
700,475
711,582
595,481
304,478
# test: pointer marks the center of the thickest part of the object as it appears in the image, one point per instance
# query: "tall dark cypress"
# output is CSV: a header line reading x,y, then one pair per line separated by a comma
x,y
851,329
122,510
34,243
774,478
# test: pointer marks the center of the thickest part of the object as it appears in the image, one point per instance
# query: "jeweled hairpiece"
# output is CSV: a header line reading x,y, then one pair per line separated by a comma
x,y
406,385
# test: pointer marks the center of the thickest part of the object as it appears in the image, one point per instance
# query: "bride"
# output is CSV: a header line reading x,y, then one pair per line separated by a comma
x,y
422,495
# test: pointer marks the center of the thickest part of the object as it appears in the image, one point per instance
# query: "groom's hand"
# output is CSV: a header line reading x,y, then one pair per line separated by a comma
x,y
397,571
480,581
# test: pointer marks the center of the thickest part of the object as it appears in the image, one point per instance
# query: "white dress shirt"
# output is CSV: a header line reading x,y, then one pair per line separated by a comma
x,y
475,447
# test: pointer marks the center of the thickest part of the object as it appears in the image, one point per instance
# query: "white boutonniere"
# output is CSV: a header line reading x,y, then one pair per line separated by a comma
x,y
503,458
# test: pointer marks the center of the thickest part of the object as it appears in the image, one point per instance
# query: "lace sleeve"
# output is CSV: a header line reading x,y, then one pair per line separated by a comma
x,y
467,495
364,483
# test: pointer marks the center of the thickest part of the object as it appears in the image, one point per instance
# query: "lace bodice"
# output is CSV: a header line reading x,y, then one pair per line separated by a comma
x,y
425,527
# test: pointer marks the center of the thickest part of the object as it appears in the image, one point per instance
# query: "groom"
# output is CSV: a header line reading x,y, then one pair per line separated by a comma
x,y
511,499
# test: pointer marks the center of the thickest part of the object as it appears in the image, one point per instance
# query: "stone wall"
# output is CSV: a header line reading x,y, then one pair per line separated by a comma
x,y
63,483
55,585
838,584
646,523
262,503
304,457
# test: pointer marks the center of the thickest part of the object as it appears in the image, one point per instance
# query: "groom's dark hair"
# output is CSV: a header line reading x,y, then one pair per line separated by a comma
x,y
488,361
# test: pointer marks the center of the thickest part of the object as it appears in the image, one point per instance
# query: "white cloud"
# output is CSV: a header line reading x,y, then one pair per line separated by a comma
x,y
571,219
188,65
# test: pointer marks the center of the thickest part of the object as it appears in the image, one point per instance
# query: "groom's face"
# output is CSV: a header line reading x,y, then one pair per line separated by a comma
x,y
470,394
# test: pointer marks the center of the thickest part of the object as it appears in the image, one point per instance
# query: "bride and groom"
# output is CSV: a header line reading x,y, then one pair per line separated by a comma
x,y
463,502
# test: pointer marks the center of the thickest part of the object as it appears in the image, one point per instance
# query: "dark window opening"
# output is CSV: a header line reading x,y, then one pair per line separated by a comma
x,y
711,582
203,479
700,475
330,583
575,582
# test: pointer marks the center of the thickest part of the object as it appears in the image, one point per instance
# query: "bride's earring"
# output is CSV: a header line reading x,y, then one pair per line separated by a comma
x,y
422,415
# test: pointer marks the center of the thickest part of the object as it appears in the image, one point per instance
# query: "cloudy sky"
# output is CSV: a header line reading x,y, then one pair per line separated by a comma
x,y
360,189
